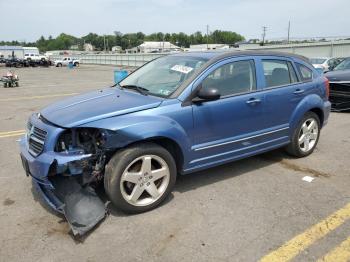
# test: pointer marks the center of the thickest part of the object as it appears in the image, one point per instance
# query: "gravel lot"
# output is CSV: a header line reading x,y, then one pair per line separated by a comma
x,y
237,212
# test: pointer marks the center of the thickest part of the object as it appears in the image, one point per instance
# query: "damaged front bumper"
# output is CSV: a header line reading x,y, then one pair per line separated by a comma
x,y
81,206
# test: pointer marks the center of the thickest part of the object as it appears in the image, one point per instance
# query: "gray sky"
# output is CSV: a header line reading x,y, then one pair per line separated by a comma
x,y
29,19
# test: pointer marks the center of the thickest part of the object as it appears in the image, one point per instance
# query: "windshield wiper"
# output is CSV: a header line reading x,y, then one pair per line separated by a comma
x,y
139,89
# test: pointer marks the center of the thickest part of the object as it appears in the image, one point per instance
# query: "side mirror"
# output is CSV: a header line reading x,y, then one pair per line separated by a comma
x,y
207,94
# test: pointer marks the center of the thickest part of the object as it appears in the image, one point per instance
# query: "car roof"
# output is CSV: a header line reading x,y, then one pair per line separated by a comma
x,y
220,54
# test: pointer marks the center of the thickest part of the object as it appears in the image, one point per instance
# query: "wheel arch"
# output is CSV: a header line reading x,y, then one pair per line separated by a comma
x,y
311,103
319,112
168,143
172,146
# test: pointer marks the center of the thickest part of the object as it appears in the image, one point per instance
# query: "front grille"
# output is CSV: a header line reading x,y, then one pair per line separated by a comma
x,y
36,139
340,87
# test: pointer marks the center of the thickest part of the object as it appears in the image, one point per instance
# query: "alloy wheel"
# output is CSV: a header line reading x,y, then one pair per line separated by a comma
x,y
145,180
308,135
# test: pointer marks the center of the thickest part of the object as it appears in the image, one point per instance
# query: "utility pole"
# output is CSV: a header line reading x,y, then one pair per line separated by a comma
x,y
207,37
288,32
264,34
104,43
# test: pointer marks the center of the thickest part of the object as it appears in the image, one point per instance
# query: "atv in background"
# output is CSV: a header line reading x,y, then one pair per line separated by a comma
x,y
10,79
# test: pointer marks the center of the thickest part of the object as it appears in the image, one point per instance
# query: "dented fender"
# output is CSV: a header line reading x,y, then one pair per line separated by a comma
x,y
127,129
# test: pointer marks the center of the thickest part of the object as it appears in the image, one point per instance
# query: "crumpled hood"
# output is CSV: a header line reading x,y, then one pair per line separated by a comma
x,y
97,105
338,75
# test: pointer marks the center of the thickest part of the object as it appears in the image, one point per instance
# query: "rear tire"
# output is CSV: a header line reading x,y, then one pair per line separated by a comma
x,y
140,177
305,136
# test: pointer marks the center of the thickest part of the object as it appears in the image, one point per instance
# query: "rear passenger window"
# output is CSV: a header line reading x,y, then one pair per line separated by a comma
x,y
305,72
278,73
233,78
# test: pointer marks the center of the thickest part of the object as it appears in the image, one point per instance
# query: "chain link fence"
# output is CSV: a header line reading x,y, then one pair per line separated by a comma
x,y
123,60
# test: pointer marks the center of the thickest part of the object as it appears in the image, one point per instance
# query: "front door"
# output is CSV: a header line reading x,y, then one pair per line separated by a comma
x,y
231,126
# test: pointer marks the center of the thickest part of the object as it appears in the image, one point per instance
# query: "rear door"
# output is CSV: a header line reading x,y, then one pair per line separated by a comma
x,y
283,91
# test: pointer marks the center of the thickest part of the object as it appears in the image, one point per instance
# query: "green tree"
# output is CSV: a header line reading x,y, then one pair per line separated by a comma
x,y
129,40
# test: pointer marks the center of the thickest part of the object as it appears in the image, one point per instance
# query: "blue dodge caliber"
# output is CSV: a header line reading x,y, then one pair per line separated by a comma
x,y
175,115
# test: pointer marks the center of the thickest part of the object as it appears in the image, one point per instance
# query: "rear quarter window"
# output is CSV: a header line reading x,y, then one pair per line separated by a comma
x,y
305,73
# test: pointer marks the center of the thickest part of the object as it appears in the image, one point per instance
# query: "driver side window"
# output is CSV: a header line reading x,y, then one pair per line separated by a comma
x,y
232,78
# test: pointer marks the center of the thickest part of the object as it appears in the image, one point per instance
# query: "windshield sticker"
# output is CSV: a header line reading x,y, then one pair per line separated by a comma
x,y
182,69
164,92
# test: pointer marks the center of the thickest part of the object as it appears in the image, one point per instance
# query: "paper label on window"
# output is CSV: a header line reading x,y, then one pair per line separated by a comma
x,y
182,69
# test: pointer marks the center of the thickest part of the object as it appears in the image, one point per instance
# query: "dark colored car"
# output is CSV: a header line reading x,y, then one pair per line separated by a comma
x,y
339,82
333,62
177,114
15,62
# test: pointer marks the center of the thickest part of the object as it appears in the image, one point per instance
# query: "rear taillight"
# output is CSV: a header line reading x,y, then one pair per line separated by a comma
x,y
326,86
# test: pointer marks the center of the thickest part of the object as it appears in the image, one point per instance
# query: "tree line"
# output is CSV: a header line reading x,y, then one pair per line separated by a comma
x,y
129,40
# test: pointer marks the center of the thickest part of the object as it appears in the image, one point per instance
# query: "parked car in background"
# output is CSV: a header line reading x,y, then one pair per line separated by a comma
x,y
15,62
65,61
333,62
324,63
177,114
339,81
35,57
32,57
2,59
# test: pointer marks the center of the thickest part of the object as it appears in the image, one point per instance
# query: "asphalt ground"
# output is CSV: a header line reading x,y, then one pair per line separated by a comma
x,y
254,209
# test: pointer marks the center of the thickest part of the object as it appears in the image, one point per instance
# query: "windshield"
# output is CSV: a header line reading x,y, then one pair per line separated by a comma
x,y
343,65
164,75
317,61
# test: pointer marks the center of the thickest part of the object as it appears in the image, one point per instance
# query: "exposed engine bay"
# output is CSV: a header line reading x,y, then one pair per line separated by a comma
x,y
85,141
76,182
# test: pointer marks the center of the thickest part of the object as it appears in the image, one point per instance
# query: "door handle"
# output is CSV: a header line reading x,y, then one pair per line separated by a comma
x,y
253,101
298,91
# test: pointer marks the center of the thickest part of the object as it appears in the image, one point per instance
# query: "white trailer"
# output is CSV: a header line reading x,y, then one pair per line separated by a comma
x,y
17,51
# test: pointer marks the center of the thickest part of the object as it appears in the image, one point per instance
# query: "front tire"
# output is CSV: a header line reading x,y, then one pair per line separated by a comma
x,y
139,178
305,136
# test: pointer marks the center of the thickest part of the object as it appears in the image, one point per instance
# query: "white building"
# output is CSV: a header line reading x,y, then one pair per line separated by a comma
x,y
88,47
157,47
203,47
117,49
74,47
250,44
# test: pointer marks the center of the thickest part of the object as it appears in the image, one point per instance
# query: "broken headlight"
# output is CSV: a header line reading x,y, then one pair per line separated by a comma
x,y
81,141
